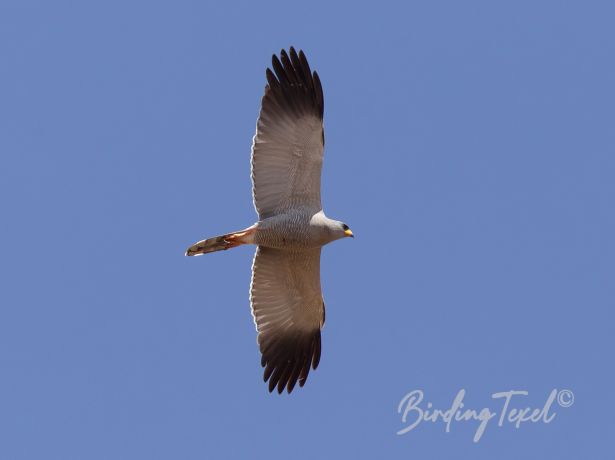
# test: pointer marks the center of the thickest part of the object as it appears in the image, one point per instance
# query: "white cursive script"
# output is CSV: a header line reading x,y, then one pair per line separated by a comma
x,y
413,413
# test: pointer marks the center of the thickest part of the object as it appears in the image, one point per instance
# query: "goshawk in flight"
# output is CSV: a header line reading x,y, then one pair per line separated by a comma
x,y
287,153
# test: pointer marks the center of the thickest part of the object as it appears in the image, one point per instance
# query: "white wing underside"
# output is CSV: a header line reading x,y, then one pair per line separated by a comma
x,y
287,149
288,311
287,159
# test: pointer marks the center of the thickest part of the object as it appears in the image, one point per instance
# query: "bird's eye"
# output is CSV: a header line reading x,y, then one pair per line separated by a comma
x,y
345,227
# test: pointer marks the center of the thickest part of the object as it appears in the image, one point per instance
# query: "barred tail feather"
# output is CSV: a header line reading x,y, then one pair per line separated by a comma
x,y
222,242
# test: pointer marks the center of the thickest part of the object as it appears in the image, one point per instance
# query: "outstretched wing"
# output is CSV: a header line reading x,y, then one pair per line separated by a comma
x,y
288,312
287,149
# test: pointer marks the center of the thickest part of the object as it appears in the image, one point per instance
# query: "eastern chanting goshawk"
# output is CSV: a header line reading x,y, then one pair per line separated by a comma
x,y
287,153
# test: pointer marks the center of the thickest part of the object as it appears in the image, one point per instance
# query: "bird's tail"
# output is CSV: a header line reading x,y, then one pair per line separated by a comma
x,y
222,242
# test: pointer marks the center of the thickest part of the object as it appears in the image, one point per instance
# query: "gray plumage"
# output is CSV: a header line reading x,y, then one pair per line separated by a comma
x,y
287,155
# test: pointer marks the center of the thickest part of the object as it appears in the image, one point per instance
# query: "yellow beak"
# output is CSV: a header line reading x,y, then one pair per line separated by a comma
x,y
348,233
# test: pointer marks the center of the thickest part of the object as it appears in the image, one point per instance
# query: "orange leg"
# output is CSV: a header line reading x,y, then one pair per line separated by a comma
x,y
244,237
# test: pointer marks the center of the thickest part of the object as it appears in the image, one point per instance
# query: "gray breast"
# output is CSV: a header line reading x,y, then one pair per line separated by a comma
x,y
291,230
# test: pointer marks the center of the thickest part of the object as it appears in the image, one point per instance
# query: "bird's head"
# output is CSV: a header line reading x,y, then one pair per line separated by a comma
x,y
345,229
331,230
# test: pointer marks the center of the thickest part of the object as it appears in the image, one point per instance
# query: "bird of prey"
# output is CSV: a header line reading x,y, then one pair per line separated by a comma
x,y
287,153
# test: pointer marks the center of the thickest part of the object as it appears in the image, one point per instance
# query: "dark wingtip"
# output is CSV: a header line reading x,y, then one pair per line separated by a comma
x,y
288,360
293,86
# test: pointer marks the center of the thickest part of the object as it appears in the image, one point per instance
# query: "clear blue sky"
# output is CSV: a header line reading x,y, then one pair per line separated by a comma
x,y
470,146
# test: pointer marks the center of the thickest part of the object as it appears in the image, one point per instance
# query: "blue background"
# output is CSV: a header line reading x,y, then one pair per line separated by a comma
x,y
470,146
